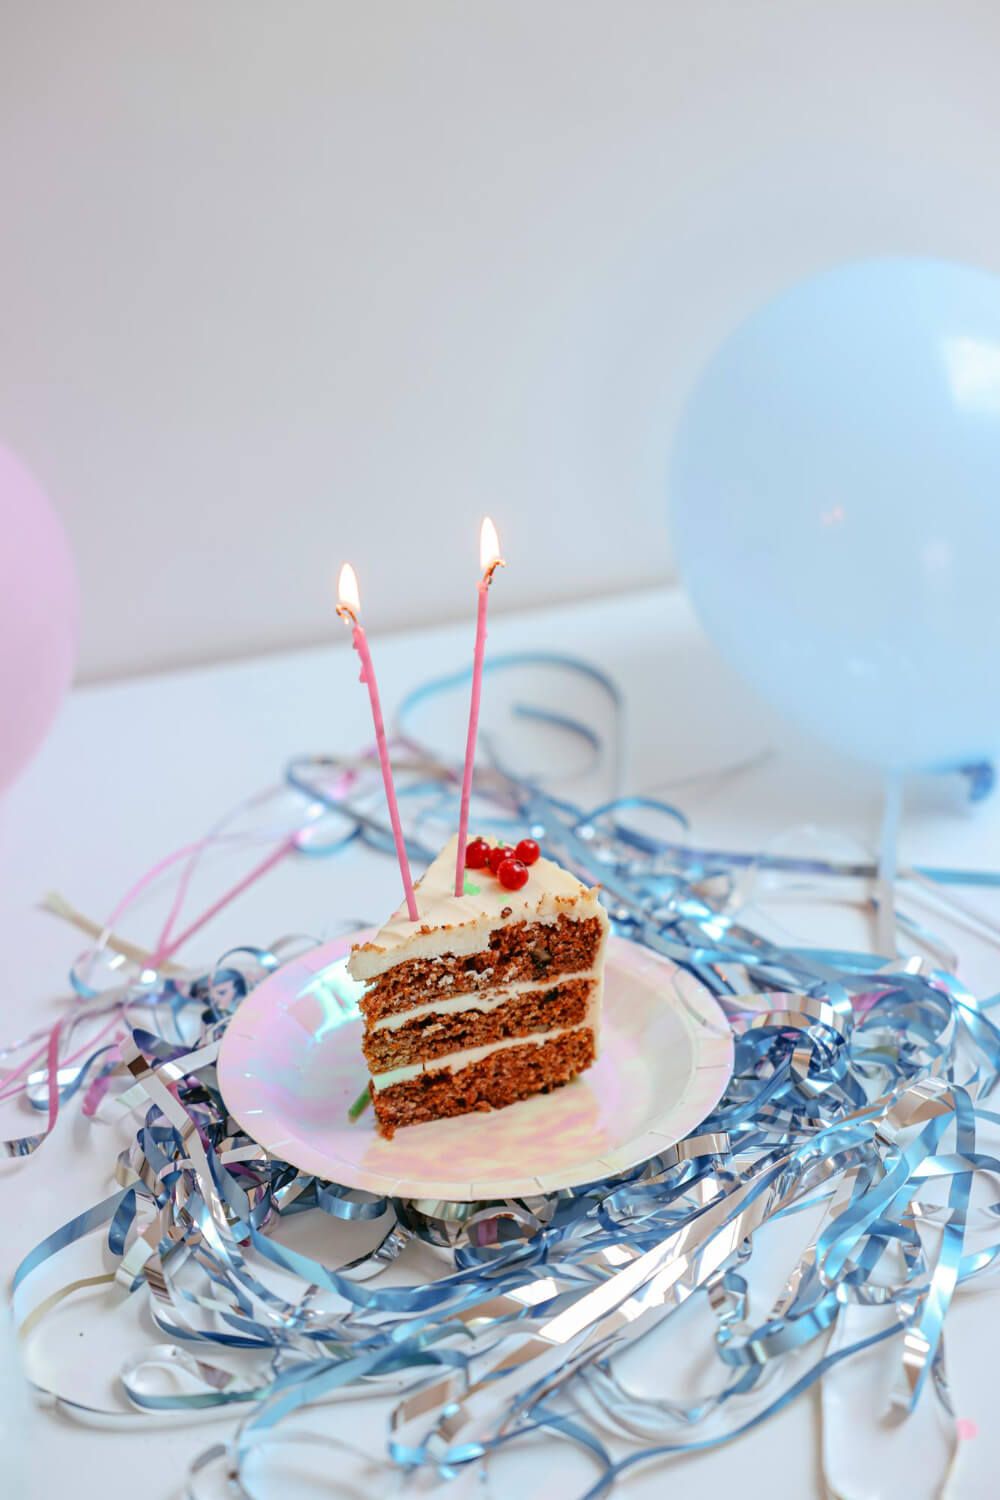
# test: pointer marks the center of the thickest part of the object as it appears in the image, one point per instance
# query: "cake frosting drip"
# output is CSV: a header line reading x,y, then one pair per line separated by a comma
x,y
457,924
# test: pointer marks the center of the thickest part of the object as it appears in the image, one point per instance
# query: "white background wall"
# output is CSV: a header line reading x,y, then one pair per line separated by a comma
x,y
285,283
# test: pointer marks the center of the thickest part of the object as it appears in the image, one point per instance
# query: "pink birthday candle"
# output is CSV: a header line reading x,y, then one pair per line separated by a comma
x,y
489,561
349,608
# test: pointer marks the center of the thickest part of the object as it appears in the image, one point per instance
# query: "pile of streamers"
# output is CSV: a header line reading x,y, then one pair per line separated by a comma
x,y
859,1097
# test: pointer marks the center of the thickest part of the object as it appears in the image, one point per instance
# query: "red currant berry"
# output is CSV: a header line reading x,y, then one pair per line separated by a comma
x,y
512,874
527,851
498,855
477,854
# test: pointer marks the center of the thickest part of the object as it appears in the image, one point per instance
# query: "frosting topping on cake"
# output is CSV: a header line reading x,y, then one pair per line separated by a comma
x,y
456,924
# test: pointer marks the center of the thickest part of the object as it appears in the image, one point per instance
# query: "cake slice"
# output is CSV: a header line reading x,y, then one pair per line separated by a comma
x,y
490,997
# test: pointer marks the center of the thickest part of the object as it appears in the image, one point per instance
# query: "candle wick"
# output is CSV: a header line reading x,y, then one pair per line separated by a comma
x,y
497,562
347,614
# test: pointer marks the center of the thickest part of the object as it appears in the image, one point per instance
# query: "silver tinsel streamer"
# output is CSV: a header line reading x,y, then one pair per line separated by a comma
x,y
860,1093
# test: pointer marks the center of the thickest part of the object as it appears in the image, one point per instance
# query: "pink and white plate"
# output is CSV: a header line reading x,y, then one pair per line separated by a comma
x,y
290,1067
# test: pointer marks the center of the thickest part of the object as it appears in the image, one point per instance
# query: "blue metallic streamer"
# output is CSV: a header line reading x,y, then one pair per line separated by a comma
x,y
857,1092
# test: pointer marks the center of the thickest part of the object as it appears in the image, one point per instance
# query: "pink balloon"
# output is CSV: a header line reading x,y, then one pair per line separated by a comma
x,y
39,608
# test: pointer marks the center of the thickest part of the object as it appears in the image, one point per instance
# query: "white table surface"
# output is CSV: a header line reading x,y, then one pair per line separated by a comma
x,y
135,769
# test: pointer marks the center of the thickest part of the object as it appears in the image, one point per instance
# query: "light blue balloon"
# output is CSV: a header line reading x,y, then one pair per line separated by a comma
x,y
835,506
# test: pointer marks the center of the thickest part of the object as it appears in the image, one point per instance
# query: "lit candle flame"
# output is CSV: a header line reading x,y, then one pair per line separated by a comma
x,y
348,597
489,549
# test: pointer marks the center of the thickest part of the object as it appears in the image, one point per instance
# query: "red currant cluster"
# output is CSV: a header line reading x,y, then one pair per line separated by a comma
x,y
507,863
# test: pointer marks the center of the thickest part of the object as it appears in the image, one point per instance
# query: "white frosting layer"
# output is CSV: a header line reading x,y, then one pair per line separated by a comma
x,y
456,1060
482,1000
462,924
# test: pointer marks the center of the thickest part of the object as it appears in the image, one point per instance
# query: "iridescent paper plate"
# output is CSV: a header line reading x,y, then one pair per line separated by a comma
x,y
290,1067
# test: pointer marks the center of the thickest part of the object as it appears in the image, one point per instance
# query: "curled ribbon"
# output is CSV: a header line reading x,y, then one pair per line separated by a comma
x,y
858,1103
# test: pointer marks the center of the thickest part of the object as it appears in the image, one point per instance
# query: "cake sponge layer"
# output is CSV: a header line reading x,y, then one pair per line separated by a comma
x,y
432,1034
536,951
489,1083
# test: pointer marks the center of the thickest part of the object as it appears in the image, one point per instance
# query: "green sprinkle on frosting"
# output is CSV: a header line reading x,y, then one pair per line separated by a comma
x,y
469,888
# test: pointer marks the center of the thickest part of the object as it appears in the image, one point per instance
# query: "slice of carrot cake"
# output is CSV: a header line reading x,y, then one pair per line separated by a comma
x,y
491,996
